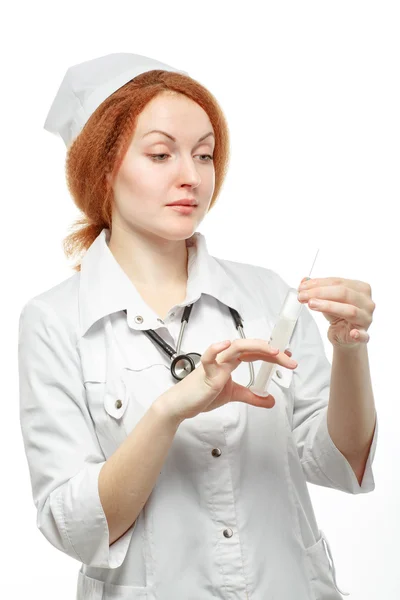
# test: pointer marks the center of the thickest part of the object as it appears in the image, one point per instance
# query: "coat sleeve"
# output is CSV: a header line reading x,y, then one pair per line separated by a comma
x,y
322,462
62,450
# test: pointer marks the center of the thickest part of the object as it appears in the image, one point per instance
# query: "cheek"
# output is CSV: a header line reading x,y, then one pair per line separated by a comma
x,y
135,183
139,190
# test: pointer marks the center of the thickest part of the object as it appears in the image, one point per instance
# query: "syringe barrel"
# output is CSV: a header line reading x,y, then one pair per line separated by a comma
x,y
280,338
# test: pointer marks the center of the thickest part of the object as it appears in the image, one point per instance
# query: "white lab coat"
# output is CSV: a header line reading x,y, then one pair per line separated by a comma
x,y
230,515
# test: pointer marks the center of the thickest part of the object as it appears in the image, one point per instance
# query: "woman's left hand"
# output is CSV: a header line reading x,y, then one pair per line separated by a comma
x,y
347,305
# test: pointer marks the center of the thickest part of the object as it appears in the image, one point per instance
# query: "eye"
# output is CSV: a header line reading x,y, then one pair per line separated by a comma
x,y
155,156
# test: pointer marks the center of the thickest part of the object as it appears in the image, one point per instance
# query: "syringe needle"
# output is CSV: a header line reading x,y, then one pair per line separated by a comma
x,y
313,263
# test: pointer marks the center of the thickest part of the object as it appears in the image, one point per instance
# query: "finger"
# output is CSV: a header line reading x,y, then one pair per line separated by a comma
x,y
254,349
262,402
208,358
281,359
243,394
244,345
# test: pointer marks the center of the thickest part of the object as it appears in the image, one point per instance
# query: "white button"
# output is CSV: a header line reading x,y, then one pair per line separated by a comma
x,y
138,319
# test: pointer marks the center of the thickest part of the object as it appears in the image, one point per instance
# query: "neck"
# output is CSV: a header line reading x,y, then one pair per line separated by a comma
x,y
150,262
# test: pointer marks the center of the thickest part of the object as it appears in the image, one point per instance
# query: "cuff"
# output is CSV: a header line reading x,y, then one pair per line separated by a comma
x,y
84,524
332,465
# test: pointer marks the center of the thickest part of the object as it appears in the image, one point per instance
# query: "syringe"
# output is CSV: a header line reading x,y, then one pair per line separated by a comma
x,y
280,337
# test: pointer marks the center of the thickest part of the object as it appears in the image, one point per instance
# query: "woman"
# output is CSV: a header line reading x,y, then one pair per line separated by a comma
x,y
166,477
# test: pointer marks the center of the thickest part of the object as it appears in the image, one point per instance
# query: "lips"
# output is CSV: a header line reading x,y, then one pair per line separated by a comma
x,y
183,203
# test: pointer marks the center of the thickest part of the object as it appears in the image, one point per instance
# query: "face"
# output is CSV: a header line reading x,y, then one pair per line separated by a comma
x,y
146,184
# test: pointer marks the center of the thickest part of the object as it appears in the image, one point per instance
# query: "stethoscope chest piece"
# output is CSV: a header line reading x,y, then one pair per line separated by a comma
x,y
183,364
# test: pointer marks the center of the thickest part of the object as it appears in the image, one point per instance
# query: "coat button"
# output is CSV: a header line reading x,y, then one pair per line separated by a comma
x,y
228,533
279,374
138,319
118,404
216,452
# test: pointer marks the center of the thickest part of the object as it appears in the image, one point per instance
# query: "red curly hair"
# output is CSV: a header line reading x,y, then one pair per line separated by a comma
x,y
100,147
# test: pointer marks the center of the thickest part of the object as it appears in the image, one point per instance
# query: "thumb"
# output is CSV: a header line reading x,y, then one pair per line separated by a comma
x,y
244,394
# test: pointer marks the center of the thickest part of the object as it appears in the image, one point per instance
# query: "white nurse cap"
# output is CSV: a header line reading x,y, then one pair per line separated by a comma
x,y
86,85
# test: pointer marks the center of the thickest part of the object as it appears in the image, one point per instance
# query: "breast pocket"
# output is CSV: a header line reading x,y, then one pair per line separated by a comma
x,y
108,400
281,388
107,394
124,373
145,381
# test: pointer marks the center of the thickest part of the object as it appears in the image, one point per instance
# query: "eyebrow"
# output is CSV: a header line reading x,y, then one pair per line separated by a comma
x,y
203,137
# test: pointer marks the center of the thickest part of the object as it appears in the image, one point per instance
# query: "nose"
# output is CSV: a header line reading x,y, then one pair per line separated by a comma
x,y
188,171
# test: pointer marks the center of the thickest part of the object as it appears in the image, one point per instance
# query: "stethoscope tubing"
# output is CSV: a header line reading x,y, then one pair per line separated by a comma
x,y
183,364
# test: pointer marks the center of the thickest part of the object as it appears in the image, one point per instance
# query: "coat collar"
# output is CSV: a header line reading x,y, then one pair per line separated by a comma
x,y
104,288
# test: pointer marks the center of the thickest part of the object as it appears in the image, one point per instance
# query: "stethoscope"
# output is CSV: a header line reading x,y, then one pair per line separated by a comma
x,y
183,364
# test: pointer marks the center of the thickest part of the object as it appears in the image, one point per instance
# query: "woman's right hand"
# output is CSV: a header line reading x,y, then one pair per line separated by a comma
x,y
210,385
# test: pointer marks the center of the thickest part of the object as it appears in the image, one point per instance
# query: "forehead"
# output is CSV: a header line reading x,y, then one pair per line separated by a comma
x,y
176,114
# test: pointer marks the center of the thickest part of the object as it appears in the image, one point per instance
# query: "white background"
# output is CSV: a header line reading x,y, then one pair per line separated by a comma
x,y
311,94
